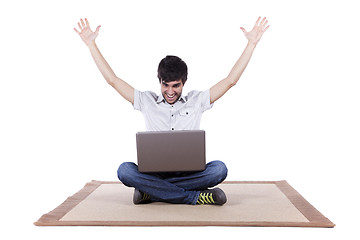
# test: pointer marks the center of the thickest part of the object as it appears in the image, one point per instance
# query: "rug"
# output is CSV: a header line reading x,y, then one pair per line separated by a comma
x,y
272,204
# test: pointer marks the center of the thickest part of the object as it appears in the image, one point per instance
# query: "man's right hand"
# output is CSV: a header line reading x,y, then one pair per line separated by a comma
x,y
86,34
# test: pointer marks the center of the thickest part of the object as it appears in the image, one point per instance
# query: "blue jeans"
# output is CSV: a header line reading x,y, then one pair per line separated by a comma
x,y
177,187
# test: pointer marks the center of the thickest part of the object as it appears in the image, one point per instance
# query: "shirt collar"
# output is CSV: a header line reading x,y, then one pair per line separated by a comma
x,y
162,99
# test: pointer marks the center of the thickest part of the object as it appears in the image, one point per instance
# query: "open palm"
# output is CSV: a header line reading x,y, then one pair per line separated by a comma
x,y
86,34
256,33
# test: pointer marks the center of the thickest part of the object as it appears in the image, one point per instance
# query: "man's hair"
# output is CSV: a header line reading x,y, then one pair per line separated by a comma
x,y
172,68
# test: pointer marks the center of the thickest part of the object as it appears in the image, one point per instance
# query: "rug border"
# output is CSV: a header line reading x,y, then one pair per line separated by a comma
x,y
316,219
52,218
308,210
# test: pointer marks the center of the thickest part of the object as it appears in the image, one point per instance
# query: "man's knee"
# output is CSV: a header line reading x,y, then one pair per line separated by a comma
x,y
219,169
124,171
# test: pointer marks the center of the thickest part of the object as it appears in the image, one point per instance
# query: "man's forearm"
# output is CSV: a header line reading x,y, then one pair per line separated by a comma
x,y
219,89
88,36
120,85
101,63
241,64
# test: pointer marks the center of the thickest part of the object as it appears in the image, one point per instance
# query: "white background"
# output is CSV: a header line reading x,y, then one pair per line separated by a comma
x,y
294,115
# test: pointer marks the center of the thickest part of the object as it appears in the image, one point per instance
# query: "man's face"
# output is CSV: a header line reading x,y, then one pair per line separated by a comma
x,y
171,91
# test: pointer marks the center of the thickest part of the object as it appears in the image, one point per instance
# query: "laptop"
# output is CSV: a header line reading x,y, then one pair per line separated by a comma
x,y
171,151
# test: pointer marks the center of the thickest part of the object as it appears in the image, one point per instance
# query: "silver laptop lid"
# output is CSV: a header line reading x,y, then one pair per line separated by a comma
x,y
171,151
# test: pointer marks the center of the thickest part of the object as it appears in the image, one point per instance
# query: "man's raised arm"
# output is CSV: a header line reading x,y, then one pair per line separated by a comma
x,y
88,36
254,36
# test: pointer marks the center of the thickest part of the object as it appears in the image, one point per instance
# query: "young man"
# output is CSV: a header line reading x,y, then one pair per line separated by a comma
x,y
172,111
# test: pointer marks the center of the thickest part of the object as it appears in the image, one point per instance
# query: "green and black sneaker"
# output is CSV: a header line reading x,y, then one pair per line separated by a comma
x,y
214,196
140,197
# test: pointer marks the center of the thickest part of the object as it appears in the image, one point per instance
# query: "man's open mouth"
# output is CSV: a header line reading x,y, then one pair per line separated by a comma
x,y
171,96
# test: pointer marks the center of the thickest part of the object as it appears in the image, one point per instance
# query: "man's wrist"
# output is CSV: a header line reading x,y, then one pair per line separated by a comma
x,y
251,44
91,44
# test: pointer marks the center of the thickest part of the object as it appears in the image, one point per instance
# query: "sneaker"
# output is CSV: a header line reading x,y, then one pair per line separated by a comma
x,y
214,196
140,197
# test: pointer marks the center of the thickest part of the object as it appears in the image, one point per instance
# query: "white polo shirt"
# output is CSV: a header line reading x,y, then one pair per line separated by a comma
x,y
184,114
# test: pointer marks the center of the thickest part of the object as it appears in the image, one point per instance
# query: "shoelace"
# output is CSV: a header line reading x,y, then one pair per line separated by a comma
x,y
145,197
205,198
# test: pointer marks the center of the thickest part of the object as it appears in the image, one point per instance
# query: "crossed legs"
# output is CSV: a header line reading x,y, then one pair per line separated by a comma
x,y
179,187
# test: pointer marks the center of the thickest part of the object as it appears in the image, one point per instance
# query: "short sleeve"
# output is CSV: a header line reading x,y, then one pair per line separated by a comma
x,y
137,100
205,100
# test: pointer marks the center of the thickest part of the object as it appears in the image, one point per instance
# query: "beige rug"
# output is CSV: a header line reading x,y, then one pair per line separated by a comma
x,y
274,204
